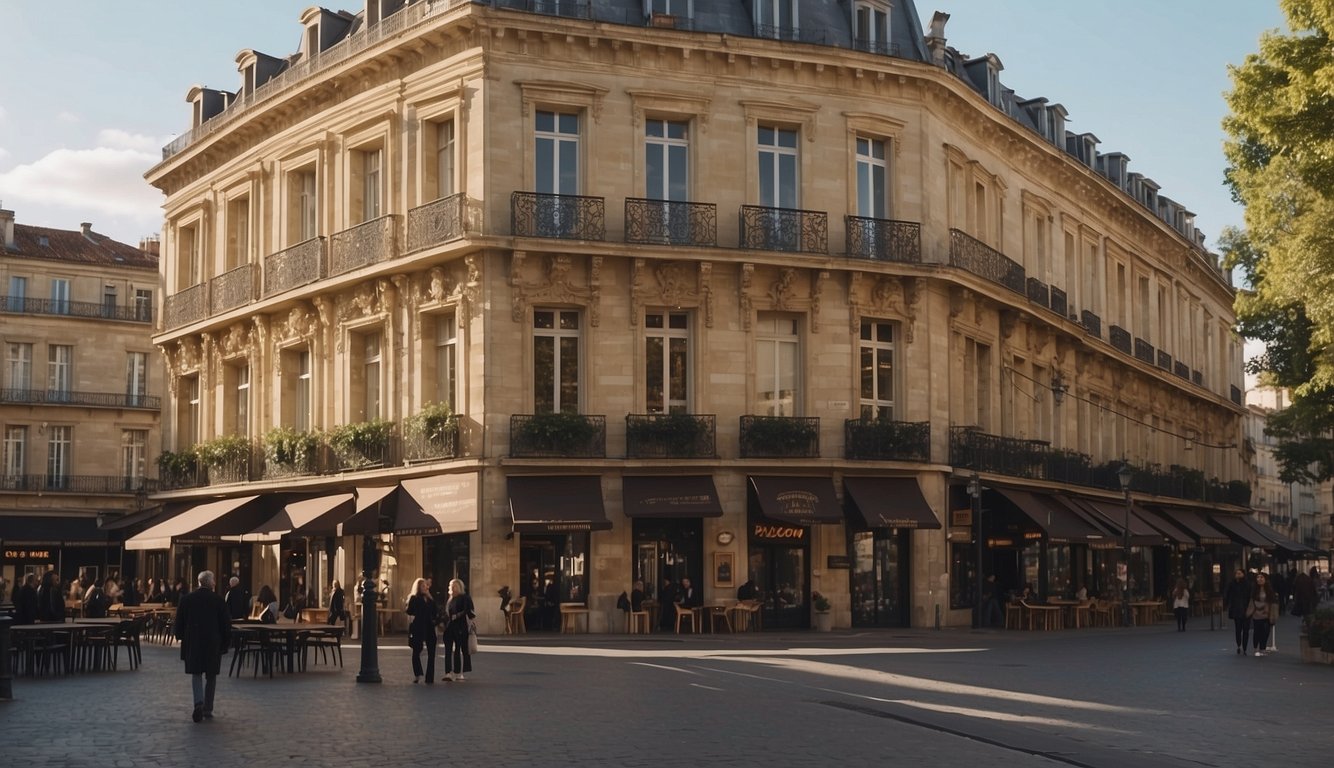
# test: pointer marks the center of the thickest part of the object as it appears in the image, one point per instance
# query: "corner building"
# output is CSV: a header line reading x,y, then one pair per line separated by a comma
x,y
719,291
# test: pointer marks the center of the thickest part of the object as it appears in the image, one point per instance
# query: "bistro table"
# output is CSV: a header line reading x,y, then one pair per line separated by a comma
x,y
714,612
1069,616
569,617
1145,611
286,631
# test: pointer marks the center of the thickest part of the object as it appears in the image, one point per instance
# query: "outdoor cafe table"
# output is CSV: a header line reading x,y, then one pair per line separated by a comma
x,y
713,612
1067,607
288,632
1145,611
25,637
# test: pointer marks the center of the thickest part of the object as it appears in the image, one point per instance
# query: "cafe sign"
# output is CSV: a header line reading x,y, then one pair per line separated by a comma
x,y
29,554
772,531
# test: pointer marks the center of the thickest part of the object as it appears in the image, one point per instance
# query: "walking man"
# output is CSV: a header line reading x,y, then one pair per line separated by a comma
x,y
204,628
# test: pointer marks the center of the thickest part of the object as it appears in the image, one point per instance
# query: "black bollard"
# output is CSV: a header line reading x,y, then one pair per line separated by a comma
x,y
370,662
6,678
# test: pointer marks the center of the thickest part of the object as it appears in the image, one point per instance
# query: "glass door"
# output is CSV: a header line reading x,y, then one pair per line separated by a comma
x,y
879,579
780,578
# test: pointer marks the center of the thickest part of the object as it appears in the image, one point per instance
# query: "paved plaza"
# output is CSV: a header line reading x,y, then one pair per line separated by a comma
x,y
1147,696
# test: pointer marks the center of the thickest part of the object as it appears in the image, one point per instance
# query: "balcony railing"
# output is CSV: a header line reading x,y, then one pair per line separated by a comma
x,y
780,437
90,399
882,47
1181,370
1164,360
670,436
1039,292
1059,302
558,435
424,442
806,34
91,484
986,262
784,229
884,440
1120,338
370,242
232,289
670,222
26,306
437,222
299,265
1196,378
185,307
575,9
568,217
1092,323
884,239
1144,351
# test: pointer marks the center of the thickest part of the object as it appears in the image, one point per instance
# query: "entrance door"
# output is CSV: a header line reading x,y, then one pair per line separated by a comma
x,y
555,571
780,576
880,579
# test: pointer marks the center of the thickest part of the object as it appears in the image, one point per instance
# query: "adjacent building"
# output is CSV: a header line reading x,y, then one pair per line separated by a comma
x,y
561,296
1298,512
80,399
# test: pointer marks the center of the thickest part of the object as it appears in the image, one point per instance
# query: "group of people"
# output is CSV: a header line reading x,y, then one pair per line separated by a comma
x,y
455,620
1253,603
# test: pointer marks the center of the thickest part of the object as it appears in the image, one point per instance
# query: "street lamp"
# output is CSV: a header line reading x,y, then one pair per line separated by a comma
x,y
370,563
975,495
1124,475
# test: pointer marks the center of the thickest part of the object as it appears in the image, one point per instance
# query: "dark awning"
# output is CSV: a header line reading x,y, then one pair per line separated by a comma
x,y
890,502
557,504
211,520
670,496
366,520
153,514
437,504
1061,524
1112,515
51,531
1236,527
797,500
1283,543
319,516
1193,522
1172,532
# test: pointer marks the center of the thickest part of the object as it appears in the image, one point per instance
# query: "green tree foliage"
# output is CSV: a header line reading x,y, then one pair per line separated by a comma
x,y
1280,152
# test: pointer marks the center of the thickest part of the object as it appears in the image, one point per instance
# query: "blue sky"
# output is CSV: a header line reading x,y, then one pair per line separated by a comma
x,y
93,88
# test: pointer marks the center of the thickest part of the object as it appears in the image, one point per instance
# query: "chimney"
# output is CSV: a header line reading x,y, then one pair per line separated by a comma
x,y
87,228
7,229
935,38
151,245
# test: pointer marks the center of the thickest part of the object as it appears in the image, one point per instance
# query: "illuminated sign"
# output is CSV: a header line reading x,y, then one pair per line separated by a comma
x,y
765,531
29,554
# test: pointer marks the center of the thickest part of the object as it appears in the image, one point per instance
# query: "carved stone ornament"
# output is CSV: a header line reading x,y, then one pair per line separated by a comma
x,y
187,356
555,286
236,341
817,288
300,323
363,301
706,291
674,284
854,302
437,286
781,290
747,273
885,295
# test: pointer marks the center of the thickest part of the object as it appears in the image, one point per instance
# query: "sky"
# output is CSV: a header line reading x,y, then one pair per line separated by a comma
x,y
93,89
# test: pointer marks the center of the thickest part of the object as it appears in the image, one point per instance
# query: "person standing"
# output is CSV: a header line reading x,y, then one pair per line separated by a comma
x,y
421,631
337,603
1263,603
25,601
1304,595
1181,604
459,613
50,601
1235,599
204,628
238,599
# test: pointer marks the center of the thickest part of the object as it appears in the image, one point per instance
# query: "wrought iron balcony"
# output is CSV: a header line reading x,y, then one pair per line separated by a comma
x,y
575,9
568,217
670,436
986,262
884,239
88,399
1164,360
91,484
1059,302
232,289
780,437
1144,351
26,306
805,34
670,222
558,435
882,47
1038,292
784,229
1120,338
290,268
423,441
1092,323
436,222
885,440
185,307
1181,370
370,242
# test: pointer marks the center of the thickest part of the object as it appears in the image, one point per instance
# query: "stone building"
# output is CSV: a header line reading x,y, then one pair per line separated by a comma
x,y
81,395
555,296
1296,515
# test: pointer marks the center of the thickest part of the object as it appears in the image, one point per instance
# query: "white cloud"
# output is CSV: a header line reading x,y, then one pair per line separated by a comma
x,y
115,138
68,117
106,179
3,152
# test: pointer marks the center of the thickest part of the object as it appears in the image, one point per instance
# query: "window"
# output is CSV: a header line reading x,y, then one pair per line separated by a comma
x,y
872,27
670,7
237,382
136,377
1037,241
557,153
369,379
133,453
189,262
872,200
296,393
16,444
59,371
778,167
18,293
666,159
667,362
59,441
143,305
60,296
776,19
188,413
371,161
303,206
20,366
108,301
777,370
238,232
556,361
446,360
878,340
977,384
444,159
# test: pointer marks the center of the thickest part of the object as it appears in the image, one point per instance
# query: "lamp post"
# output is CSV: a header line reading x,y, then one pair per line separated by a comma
x,y
1124,475
975,496
370,563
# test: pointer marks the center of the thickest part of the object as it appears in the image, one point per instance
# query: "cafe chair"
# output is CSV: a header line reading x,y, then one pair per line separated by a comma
x,y
685,614
514,623
327,644
739,615
636,622
1014,615
96,649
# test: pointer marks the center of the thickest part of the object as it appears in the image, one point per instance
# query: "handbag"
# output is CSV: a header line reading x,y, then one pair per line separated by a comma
x,y
472,636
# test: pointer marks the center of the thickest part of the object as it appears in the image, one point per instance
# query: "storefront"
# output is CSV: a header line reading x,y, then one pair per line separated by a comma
x,y
667,514
73,547
781,511
882,513
553,517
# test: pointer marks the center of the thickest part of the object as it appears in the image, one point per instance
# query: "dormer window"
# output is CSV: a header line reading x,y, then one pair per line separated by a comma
x,y
776,19
665,13
871,27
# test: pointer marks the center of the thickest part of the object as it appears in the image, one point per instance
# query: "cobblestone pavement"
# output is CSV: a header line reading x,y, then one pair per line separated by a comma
x,y
1106,698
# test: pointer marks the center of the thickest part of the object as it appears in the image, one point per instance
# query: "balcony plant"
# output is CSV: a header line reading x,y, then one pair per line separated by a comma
x,y
361,444
177,469
556,432
288,451
432,432
676,434
227,458
780,435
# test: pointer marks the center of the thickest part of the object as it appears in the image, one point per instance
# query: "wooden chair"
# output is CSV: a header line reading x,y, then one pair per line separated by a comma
x,y
685,614
1014,615
514,623
1101,613
636,622
1082,613
1047,615
739,615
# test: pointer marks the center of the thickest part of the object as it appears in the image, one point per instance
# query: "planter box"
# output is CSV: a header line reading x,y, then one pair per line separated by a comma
x,y
824,621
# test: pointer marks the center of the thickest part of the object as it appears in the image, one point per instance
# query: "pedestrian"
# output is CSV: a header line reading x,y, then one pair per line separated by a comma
x,y
459,614
25,601
421,631
1235,597
238,599
1181,604
1262,606
50,601
268,602
337,603
204,629
1304,595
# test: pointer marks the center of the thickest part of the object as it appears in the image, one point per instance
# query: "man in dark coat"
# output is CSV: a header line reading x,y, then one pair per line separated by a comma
x,y
25,601
50,601
238,599
1235,598
204,629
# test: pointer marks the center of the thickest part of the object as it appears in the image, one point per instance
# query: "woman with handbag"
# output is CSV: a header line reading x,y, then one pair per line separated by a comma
x,y
421,631
1263,603
459,616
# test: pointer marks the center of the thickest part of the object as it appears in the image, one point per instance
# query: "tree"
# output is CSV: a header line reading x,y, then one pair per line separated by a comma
x,y
1281,167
